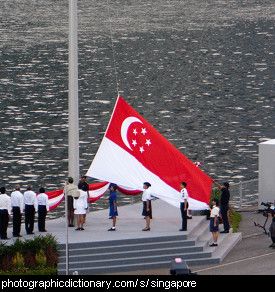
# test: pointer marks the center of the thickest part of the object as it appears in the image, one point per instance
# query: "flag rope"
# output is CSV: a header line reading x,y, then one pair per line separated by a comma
x,y
113,48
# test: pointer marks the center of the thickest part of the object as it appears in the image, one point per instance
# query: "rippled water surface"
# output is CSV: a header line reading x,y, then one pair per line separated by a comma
x,y
201,72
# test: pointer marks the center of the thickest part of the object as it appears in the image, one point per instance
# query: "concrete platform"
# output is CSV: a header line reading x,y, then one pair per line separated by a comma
x,y
166,222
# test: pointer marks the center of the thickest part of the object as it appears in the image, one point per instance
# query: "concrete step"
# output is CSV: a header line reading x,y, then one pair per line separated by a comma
x,y
118,264
147,253
154,249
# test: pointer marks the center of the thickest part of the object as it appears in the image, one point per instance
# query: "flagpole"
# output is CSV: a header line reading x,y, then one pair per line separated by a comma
x,y
73,93
73,138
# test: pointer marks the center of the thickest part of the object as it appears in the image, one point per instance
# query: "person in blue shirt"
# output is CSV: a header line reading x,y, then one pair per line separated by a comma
x,y
113,205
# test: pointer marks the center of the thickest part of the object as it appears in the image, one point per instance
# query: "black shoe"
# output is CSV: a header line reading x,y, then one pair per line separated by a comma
x,y
213,244
112,229
146,229
182,229
225,231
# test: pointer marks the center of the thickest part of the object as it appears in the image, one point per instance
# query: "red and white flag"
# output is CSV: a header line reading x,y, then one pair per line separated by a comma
x,y
133,152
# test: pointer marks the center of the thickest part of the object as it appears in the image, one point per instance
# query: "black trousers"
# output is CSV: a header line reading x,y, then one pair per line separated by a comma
x,y
183,216
16,221
29,218
224,210
4,220
42,212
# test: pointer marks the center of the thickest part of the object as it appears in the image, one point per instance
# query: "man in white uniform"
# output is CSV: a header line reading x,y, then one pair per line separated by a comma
x,y
184,197
17,205
30,203
5,210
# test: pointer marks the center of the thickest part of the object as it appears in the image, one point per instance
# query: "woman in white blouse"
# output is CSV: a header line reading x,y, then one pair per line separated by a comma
x,y
147,208
80,207
214,221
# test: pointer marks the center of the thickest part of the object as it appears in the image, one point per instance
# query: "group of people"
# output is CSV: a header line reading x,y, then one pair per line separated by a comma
x,y
77,204
77,198
77,201
18,203
215,210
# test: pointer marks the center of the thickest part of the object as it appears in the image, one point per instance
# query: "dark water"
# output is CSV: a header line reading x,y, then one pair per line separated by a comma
x,y
201,72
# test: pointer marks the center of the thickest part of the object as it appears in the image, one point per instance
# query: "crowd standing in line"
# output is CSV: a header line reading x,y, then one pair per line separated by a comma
x,y
77,198
18,203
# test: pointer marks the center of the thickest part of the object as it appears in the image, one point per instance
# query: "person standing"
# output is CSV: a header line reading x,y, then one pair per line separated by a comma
x,y
30,203
224,204
113,205
43,208
183,205
5,210
214,221
17,205
80,207
83,185
147,208
70,191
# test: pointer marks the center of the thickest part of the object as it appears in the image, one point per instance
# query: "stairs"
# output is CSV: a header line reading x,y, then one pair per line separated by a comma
x,y
104,257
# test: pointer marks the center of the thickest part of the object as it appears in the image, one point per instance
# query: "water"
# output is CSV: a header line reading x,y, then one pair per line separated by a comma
x,y
201,72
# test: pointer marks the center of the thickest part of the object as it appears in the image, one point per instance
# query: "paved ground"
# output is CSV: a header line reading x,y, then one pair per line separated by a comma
x,y
251,256
166,222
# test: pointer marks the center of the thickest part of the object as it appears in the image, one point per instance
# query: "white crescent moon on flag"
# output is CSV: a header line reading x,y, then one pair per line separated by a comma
x,y
124,129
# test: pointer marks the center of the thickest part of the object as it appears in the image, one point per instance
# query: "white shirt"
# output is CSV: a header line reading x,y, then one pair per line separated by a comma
x,y
81,204
184,195
146,195
30,199
43,200
17,200
215,211
5,202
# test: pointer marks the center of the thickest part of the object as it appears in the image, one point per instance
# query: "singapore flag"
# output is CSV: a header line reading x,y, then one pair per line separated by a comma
x,y
133,152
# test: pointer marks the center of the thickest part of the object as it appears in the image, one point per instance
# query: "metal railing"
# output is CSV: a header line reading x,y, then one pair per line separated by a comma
x,y
244,195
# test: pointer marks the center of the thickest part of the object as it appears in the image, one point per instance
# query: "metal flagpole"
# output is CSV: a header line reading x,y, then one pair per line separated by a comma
x,y
73,93
73,105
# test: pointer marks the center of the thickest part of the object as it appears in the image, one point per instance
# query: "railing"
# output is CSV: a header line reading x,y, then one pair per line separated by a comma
x,y
244,195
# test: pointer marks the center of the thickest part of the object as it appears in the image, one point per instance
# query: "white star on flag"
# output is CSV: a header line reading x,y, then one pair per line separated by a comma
x,y
141,149
148,142
143,131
